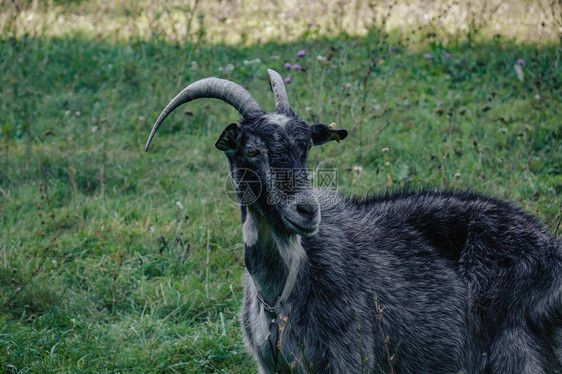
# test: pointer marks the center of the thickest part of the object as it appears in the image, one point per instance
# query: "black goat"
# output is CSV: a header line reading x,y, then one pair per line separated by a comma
x,y
468,284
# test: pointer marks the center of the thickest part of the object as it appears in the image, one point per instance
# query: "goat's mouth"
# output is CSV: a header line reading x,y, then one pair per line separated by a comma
x,y
304,229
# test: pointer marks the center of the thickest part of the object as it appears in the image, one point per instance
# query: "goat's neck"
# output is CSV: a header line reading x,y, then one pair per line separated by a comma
x,y
269,256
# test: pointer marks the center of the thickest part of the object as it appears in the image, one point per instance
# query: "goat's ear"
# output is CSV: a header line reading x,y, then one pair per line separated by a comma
x,y
230,138
323,134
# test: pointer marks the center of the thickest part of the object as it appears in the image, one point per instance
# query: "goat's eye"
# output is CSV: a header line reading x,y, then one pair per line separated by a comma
x,y
252,152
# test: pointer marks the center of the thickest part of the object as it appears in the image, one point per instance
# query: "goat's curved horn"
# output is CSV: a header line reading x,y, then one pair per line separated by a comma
x,y
216,88
279,92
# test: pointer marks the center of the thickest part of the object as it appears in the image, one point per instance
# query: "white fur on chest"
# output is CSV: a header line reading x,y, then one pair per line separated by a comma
x,y
259,233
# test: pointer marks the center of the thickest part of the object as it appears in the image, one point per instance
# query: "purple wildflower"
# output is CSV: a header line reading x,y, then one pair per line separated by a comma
x,y
287,80
520,61
346,85
287,66
297,67
446,55
301,53
427,56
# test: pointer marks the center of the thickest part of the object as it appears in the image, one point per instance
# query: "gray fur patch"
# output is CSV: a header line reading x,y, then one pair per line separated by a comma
x,y
278,119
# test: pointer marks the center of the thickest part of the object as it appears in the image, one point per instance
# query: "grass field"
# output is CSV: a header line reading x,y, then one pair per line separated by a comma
x,y
117,260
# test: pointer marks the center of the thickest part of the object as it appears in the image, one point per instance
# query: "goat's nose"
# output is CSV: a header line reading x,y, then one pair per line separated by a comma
x,y
308,210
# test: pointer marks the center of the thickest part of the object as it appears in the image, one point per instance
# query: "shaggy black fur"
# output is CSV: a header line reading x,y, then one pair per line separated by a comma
x,y
469,284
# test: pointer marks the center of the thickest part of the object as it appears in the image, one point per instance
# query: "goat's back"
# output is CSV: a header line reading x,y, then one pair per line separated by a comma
x,y
492,273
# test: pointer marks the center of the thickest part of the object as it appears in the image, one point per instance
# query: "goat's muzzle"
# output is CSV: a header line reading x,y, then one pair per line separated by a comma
x,y
302,216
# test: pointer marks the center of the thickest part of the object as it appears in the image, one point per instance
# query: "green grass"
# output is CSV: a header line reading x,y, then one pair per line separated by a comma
x,y
102,271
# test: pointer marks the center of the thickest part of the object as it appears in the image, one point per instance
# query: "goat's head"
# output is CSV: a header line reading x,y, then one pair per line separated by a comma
x,y
266,153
